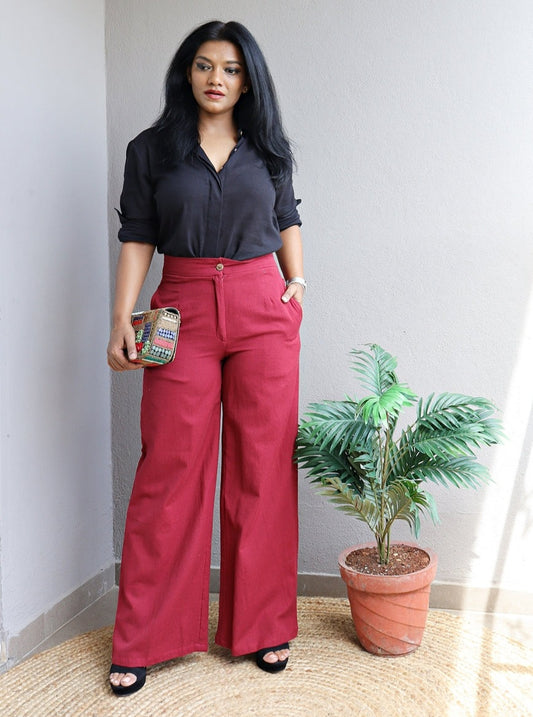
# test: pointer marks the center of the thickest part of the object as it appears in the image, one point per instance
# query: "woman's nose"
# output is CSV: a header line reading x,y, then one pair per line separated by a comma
x,y
214,77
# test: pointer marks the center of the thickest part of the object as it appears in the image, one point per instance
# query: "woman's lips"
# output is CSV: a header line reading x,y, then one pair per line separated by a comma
x,y
213,94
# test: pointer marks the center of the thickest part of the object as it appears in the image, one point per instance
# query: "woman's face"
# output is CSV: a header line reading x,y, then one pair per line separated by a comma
x,y
218,77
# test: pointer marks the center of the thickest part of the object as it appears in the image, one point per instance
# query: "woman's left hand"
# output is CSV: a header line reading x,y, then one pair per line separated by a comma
x,y
294,290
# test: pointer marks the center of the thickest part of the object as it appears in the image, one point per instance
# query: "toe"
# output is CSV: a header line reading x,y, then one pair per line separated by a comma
x,y
270,657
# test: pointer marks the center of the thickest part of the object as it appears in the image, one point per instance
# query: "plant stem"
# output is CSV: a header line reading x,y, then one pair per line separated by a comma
x,y
383,539
383,544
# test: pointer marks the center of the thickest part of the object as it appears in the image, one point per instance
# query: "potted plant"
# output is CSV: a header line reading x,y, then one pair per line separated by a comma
x,y
376,471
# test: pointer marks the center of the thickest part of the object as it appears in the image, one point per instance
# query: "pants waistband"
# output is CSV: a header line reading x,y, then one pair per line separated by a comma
x,y
206,268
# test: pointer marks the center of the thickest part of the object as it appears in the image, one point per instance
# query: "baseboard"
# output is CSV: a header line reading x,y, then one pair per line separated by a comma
x,y
444,596
16,647
452,596
309,584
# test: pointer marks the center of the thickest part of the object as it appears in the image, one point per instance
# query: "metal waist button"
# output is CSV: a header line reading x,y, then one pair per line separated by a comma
x,y
219,267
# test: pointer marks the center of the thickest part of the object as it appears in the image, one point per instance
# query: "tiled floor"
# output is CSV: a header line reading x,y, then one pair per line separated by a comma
x,y
102,613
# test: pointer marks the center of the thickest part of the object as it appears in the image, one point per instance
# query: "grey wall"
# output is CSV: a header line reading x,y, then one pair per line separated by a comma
x,y
413,124
55,470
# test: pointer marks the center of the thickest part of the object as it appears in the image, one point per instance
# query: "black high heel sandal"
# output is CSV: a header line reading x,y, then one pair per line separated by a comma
x,y
140,674
271,666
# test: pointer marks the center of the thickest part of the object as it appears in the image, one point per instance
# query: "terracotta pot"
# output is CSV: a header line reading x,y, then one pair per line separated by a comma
x,y
389,611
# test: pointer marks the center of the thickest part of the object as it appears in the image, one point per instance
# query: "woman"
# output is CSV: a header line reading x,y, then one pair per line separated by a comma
x,y
210,186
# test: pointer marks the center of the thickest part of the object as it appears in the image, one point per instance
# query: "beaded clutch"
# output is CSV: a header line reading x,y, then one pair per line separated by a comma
x,y
156,335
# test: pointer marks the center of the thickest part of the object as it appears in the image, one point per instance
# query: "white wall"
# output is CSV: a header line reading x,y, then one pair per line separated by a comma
x,y
413,124
55,500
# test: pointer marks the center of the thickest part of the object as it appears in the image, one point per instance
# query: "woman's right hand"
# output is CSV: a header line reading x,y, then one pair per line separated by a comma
x,y
133,264
121,348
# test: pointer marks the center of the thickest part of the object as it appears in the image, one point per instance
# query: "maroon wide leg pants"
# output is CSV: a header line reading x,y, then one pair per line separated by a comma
x,y
238,349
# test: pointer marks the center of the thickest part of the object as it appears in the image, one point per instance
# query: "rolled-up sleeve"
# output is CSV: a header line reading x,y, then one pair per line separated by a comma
x,y
138,214
286,206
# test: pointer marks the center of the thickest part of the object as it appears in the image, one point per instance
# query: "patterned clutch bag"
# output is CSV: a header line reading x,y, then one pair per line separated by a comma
x,y
156,335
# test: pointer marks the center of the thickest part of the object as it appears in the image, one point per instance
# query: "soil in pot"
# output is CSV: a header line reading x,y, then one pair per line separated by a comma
x,y
403,559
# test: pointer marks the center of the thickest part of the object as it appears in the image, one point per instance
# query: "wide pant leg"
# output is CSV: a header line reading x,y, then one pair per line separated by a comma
x,y
164,585
259,501
238,343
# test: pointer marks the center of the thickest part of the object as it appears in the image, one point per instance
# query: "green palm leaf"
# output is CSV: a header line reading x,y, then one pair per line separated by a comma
x,y
404,500
450,412
336,423
375,368
322,462
451,425
380,409
351,503
461,472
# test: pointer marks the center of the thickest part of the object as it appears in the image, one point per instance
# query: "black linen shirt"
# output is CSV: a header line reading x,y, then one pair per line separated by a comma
x,y
193,210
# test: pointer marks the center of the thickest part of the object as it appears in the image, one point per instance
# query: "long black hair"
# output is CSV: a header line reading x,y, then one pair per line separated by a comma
x,y
256,113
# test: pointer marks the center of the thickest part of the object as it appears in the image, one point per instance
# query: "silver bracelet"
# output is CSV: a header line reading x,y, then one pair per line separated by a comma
x,y
297,280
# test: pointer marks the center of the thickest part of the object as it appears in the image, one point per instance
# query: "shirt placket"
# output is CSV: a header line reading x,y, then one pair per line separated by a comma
x,y
216,198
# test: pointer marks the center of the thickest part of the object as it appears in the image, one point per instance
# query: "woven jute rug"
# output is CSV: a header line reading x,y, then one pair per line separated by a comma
x,y
461,669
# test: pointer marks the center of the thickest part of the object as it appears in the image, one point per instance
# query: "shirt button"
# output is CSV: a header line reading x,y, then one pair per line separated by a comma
x,y
219,267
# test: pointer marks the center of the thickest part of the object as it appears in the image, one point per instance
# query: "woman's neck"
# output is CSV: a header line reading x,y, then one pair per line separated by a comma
x,y
221,127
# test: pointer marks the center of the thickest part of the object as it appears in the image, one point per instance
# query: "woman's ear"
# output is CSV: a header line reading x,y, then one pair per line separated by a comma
x,y
189,75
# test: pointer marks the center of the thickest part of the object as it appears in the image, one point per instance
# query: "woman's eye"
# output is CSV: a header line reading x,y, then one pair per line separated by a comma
x,y
232,70
202,67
